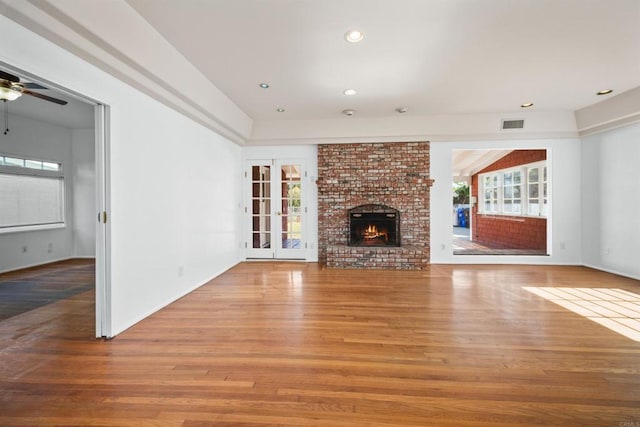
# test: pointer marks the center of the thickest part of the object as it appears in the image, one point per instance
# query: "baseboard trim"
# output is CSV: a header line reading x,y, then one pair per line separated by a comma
x,y
37,264
608,270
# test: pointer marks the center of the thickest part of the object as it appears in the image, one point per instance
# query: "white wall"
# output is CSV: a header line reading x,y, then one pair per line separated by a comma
x,y
308,153
176,197
41,141
406,128
611,201
175,185
564,222
84,193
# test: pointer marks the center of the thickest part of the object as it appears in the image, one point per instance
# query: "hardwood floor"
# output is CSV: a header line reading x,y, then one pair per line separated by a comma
x,y
293,344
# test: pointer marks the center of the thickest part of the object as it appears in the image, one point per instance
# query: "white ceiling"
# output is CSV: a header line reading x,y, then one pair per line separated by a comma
x,y
467,163
430,56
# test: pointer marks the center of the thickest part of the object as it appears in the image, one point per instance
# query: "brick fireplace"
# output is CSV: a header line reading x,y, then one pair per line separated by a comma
x,y
393,176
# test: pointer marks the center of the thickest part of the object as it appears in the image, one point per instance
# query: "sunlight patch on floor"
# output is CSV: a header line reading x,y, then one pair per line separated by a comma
x,y
616,309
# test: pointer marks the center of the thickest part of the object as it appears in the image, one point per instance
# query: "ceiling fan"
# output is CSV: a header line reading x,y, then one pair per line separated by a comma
x,y
11,89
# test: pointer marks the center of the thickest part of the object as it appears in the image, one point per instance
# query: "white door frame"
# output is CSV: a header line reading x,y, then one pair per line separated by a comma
x,y
275,251
103,223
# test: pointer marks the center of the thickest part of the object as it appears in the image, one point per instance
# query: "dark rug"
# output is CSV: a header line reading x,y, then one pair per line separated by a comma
x,y
21,295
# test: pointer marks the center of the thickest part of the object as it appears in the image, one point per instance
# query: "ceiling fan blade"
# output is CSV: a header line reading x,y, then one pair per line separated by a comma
x,y
10,77
33,86
45,97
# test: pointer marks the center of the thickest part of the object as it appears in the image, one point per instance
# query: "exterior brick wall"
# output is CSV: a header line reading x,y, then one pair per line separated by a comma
x,y
392,174
503,231
511,232
516,158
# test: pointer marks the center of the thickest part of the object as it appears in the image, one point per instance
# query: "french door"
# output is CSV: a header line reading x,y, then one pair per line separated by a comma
x,y
275,210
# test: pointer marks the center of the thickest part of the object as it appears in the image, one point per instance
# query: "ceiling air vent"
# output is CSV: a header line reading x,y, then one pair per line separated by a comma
x,y
512,124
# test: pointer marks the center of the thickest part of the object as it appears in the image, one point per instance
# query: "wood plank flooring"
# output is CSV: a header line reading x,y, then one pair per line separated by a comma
x,y
294,344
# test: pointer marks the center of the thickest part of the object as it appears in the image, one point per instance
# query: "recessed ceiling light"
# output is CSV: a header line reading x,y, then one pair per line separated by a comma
x,y
264,85
280,110
353,36
348,112
401,110
527,105
349,92
604,92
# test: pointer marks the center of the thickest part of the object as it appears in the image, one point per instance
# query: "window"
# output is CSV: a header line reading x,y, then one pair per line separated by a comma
x,y
32,193
491,193
537,191
511,201
516,191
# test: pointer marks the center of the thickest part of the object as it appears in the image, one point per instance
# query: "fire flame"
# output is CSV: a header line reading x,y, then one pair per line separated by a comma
x,y
372,232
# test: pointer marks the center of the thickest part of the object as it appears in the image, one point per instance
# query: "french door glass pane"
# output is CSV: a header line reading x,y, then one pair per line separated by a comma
x,y
291,234
261,240
261,206
291,202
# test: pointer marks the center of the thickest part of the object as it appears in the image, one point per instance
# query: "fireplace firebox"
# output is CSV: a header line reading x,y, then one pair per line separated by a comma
x,y
374,225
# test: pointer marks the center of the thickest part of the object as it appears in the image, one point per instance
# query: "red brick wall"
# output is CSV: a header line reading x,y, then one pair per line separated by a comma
x,y
509,232
515,158
392,174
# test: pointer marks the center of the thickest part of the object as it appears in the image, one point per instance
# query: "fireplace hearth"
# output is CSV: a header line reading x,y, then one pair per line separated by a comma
x,y
374,225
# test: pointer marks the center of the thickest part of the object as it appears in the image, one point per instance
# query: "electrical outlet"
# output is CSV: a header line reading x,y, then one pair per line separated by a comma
x,y
25,249
563,246
443,246
180,270
50,247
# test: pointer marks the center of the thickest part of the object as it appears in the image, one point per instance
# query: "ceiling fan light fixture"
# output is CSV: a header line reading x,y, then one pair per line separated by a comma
x,y
10,91
354,36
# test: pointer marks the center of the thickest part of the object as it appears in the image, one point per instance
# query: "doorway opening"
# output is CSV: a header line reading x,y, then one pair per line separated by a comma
x,y
500,202
275,209
64,134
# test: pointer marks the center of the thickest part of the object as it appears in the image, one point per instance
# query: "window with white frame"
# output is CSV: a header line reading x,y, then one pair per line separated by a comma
x,y
520,191
511,201
32,193
490,191
537,191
